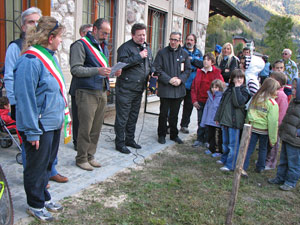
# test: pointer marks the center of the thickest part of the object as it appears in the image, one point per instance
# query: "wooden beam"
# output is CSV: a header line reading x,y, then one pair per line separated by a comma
x,y
238,171
45,6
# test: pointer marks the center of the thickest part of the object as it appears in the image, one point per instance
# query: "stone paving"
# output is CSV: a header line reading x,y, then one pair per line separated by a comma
x,y
112,161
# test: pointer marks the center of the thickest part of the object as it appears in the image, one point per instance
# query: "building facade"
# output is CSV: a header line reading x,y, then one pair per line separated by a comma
x,y
161,17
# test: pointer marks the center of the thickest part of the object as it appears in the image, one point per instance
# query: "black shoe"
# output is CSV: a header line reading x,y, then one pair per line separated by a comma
x,y
177,140
161,140
123,149
275,181
133,144
257,170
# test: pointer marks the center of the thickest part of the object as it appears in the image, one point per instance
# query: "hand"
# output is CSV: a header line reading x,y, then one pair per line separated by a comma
x,y
217,123
196,105
36,144
227,70
238,82
172,81
104,71
152,75
118,73
144,53
177,82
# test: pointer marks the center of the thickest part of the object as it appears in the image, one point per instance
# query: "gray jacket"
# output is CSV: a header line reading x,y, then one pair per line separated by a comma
x,y
169,63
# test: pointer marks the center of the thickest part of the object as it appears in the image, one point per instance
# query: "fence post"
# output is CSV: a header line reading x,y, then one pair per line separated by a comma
x,y
238,170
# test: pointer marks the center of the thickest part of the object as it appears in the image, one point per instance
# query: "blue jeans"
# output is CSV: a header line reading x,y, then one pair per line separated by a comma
x,y
231,144
53,169
262,152
288,169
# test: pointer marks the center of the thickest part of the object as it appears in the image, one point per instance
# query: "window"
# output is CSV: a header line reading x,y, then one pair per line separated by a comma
x,y
95,9
187,28
189,4
156,30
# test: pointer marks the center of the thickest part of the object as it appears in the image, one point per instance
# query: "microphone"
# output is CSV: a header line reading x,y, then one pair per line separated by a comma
x,y
143,46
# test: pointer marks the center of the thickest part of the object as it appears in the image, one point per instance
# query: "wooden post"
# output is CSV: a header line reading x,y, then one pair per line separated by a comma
x,y
238,170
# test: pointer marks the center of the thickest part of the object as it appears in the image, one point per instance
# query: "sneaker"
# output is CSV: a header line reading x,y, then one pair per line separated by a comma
x,y
275,181
207,152
286,187
41,214
269,168
197,144
215,155
53,207
244,174
225,169
184,130
219,162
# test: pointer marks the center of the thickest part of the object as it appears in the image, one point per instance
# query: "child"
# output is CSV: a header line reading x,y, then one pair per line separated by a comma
x,y
199,89
278,66
263,116
5,114
282,102
231,116
210,109
288,170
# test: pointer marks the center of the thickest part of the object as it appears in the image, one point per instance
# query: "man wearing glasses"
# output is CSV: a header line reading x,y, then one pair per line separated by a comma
x,y
173,65
90,71
291,69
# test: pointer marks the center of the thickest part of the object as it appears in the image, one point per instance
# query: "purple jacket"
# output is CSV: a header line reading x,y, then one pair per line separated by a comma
x,y
210,109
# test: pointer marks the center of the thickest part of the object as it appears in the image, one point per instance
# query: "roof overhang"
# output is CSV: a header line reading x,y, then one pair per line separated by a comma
x,y
225,8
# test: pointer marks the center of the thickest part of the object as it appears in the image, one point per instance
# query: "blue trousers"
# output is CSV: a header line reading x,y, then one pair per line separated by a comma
x,y
231,144
38,167
53,169
288,169
262,152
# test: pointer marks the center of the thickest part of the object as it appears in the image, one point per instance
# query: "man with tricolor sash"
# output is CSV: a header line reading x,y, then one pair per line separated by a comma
x,y
90,71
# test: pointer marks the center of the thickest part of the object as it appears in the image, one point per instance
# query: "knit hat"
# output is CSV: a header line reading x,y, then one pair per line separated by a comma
x,y
218,48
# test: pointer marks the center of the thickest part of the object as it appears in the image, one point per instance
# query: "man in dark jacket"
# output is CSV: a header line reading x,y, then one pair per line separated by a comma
x,y
90,71
173,65
130,86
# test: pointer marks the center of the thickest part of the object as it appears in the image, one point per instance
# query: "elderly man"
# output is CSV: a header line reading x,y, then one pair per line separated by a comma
x,y
291,69
130,86
29,18
90,71
173,65
195,55
82,31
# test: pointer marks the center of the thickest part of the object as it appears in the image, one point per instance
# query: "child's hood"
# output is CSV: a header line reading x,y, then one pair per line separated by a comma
x,y
297,99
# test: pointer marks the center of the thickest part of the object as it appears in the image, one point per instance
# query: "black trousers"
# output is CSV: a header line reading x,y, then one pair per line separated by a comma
x,y
169,109
128,105
38,167
214,138
187,109
75,122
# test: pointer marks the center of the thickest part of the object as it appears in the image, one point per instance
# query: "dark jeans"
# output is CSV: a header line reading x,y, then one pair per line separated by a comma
x,y
262,152
38,167
288,169
187,109
128,105
169,109
75,122
201,136
214,133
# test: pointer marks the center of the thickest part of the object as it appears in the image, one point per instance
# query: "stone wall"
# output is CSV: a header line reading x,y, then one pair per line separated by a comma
x,y
135,14
201,35
64,12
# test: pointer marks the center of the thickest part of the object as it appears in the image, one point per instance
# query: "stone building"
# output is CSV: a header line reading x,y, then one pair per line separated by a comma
x,y
161,17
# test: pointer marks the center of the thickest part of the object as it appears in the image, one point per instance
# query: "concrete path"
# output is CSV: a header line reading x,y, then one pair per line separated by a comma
x,y
112,161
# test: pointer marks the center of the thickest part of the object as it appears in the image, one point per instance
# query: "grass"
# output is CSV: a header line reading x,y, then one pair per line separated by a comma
x,y
180,185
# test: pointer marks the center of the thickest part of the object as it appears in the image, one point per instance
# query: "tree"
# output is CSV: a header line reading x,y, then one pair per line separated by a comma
x,y
279,36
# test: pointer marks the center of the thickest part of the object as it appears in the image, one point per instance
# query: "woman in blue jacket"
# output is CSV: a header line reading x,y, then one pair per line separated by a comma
x,y
40,108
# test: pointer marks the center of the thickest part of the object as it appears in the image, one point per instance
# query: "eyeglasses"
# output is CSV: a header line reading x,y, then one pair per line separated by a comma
x,y
54,28
284,53
175,40
104,33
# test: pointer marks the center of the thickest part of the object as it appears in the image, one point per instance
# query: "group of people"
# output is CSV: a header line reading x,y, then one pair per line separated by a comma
x,y
220,88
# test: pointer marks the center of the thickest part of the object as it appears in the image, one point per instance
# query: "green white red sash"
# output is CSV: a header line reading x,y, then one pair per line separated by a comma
x,y
49,62
96,52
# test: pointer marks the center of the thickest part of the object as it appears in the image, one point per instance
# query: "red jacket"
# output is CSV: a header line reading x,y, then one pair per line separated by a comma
x,y
7,119
201,84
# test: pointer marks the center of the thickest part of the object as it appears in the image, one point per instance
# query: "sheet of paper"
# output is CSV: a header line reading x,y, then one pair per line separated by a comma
x,y
117,67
